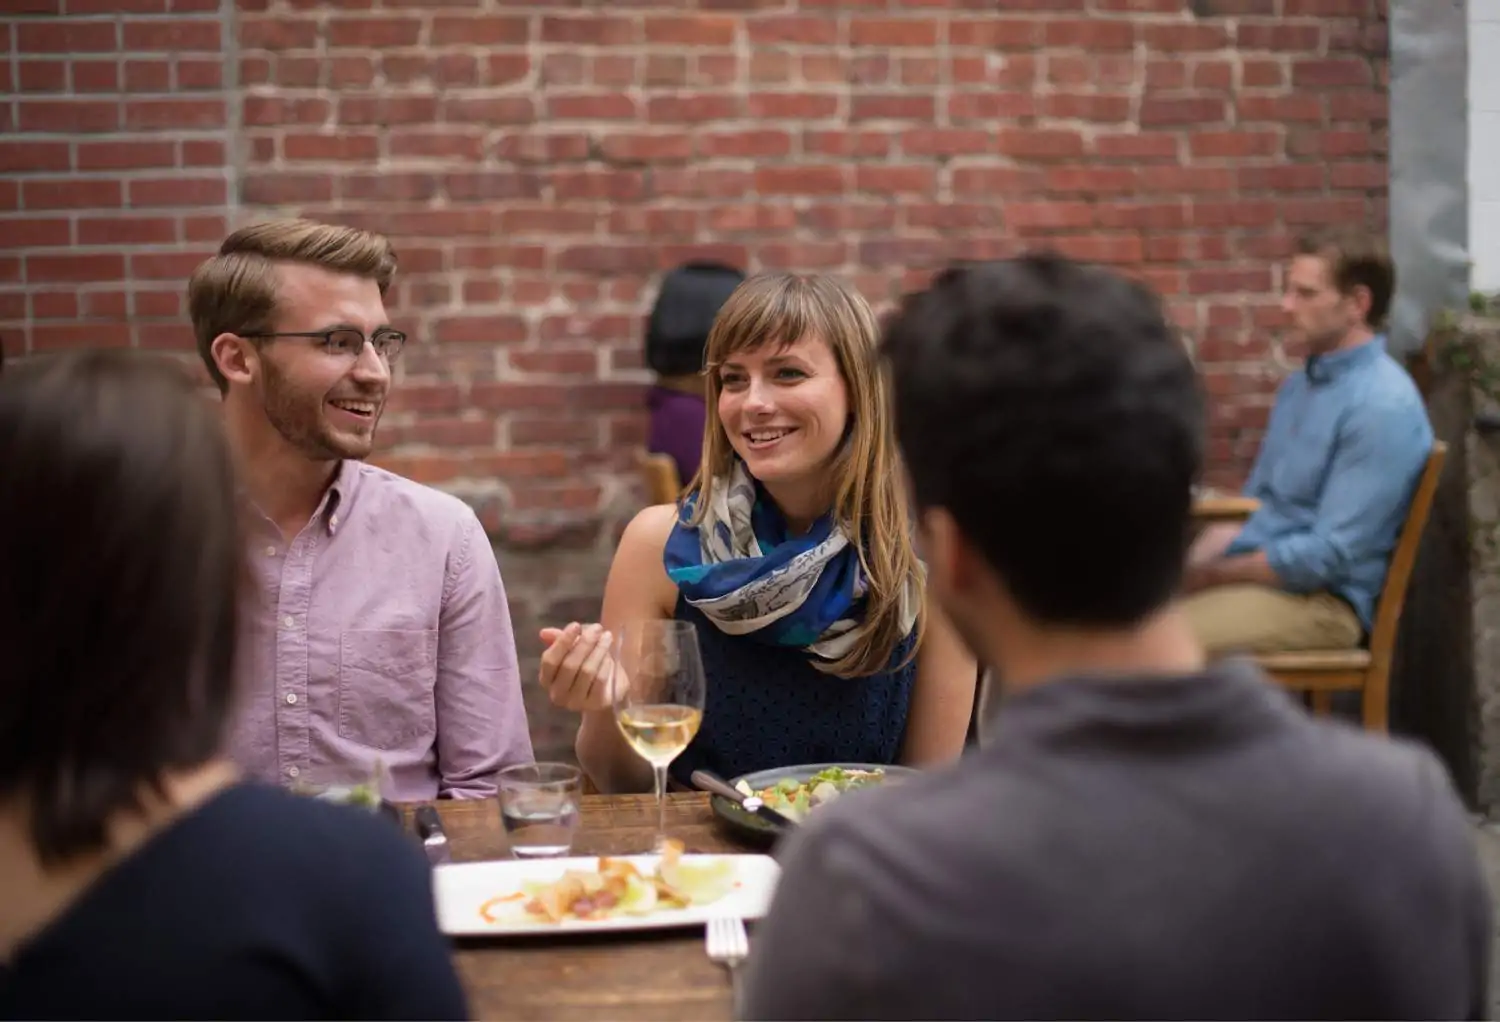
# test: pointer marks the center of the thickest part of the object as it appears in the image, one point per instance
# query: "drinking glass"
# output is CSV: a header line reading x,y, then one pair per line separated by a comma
x,y
363,784
539,808
657,687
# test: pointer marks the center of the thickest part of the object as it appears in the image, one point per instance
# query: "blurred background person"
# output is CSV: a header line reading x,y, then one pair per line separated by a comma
x,y
141,878
676,336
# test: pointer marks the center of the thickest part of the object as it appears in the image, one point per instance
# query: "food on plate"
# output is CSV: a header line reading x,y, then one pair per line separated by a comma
x,y
615,888
794,799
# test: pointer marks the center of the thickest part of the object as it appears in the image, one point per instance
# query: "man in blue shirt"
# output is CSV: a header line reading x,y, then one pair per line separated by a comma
x,y
1347,440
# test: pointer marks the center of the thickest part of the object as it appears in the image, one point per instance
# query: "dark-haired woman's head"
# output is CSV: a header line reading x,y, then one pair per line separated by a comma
x,y
121,555
686,306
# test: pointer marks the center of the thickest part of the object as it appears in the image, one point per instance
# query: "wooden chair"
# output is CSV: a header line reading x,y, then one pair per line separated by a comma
x,y
1368,670
660,474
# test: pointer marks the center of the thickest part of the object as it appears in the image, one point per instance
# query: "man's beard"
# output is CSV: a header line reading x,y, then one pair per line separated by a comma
x,y
299,420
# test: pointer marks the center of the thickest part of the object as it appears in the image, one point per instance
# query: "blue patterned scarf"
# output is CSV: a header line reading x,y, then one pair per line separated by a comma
x,y
743,571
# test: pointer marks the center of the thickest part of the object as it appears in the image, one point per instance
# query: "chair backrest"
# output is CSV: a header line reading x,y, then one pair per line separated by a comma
x,y
1404,558
660,474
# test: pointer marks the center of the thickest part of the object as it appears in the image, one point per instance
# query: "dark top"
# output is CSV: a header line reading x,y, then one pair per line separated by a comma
x,y
259,904
676,428
1195,847
768,706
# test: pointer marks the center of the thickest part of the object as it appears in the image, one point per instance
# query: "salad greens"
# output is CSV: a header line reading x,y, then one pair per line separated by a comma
x,y
795,799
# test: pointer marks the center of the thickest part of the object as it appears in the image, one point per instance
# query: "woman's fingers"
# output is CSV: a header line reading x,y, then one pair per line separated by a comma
x,y
559,646
577,665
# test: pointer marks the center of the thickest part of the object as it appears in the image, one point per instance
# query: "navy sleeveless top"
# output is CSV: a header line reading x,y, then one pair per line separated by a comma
x,y
768,706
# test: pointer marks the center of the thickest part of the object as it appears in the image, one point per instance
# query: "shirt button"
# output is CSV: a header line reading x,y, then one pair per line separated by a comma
x,y
289,621
270,551
291,697
292,771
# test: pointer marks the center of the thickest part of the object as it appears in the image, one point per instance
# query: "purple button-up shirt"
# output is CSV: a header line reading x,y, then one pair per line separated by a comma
x,y
381,633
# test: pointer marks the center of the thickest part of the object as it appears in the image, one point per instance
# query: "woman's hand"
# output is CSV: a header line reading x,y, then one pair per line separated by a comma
x,y
578,667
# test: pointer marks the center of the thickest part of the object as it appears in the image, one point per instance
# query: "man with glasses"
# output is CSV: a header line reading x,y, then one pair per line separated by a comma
x,y
379,643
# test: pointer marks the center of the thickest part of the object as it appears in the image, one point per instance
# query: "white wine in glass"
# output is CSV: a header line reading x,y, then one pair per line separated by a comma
x,y
658,692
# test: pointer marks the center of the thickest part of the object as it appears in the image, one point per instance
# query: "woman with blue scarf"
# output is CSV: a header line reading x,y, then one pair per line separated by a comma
x,y
792,553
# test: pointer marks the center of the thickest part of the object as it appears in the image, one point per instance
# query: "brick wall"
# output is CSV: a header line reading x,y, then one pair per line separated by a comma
x,y
539,164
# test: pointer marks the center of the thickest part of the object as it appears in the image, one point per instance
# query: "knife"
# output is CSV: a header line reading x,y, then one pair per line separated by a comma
x,y
434,841
709,781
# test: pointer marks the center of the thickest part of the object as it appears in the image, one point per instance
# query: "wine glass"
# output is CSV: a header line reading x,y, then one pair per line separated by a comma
x,y
657,687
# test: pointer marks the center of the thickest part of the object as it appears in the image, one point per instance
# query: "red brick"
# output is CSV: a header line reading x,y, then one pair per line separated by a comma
x,y
601,106
1092,34
148,75
590,30
276,33
479,30
762,143
61,336
178,191
74,268
791,106
69,116
670,147
480,330
995,33
375,32
66,36
181,114
893,106
1157,111
19,157
127,231
1331,73
801,30
71,193
343,147
280,112
34,232
692,108
691,30
175,36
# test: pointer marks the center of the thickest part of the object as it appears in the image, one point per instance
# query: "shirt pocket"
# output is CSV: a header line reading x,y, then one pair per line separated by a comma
x,y
386,683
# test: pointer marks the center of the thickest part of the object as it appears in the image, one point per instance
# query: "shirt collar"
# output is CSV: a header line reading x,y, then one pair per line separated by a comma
x,y
1329,367
334,506
339,497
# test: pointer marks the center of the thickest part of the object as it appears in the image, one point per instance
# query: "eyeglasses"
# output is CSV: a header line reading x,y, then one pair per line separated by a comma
x,y
348,342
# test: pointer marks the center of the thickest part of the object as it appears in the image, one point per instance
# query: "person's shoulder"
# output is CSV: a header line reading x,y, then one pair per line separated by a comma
x,y
1384,783
650,527
1388,389
385,487
430,518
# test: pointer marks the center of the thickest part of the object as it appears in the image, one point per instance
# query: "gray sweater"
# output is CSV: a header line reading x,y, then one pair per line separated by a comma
x,y
1194,847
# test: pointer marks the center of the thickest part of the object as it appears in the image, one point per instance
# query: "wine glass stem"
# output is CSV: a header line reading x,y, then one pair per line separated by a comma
x,y
661,805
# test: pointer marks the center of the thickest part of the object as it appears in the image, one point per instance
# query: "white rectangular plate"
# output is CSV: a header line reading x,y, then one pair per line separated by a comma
x,y
460,889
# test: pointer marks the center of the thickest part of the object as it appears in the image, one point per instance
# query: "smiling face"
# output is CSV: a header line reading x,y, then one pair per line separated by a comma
x,y
325,404
784,409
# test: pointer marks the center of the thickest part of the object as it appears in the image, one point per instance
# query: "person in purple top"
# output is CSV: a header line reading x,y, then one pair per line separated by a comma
x,y
381,639
676,333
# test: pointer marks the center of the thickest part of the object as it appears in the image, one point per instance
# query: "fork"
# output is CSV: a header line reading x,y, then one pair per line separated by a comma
x,y
728,946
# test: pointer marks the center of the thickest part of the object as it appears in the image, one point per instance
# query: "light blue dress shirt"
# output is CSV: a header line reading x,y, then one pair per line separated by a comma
x,y
1346,443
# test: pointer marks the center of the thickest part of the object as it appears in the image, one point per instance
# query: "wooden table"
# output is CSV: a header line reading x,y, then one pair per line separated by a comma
x,y
660,974
1223,507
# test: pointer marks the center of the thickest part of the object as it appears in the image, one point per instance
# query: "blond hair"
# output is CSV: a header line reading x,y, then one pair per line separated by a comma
x,y
234,292
868,501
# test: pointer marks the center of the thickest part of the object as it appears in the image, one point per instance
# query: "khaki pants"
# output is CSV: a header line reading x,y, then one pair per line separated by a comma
x,y
1259,619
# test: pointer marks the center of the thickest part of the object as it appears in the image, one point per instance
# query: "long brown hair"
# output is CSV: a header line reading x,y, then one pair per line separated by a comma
x,y
123,564
869,503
